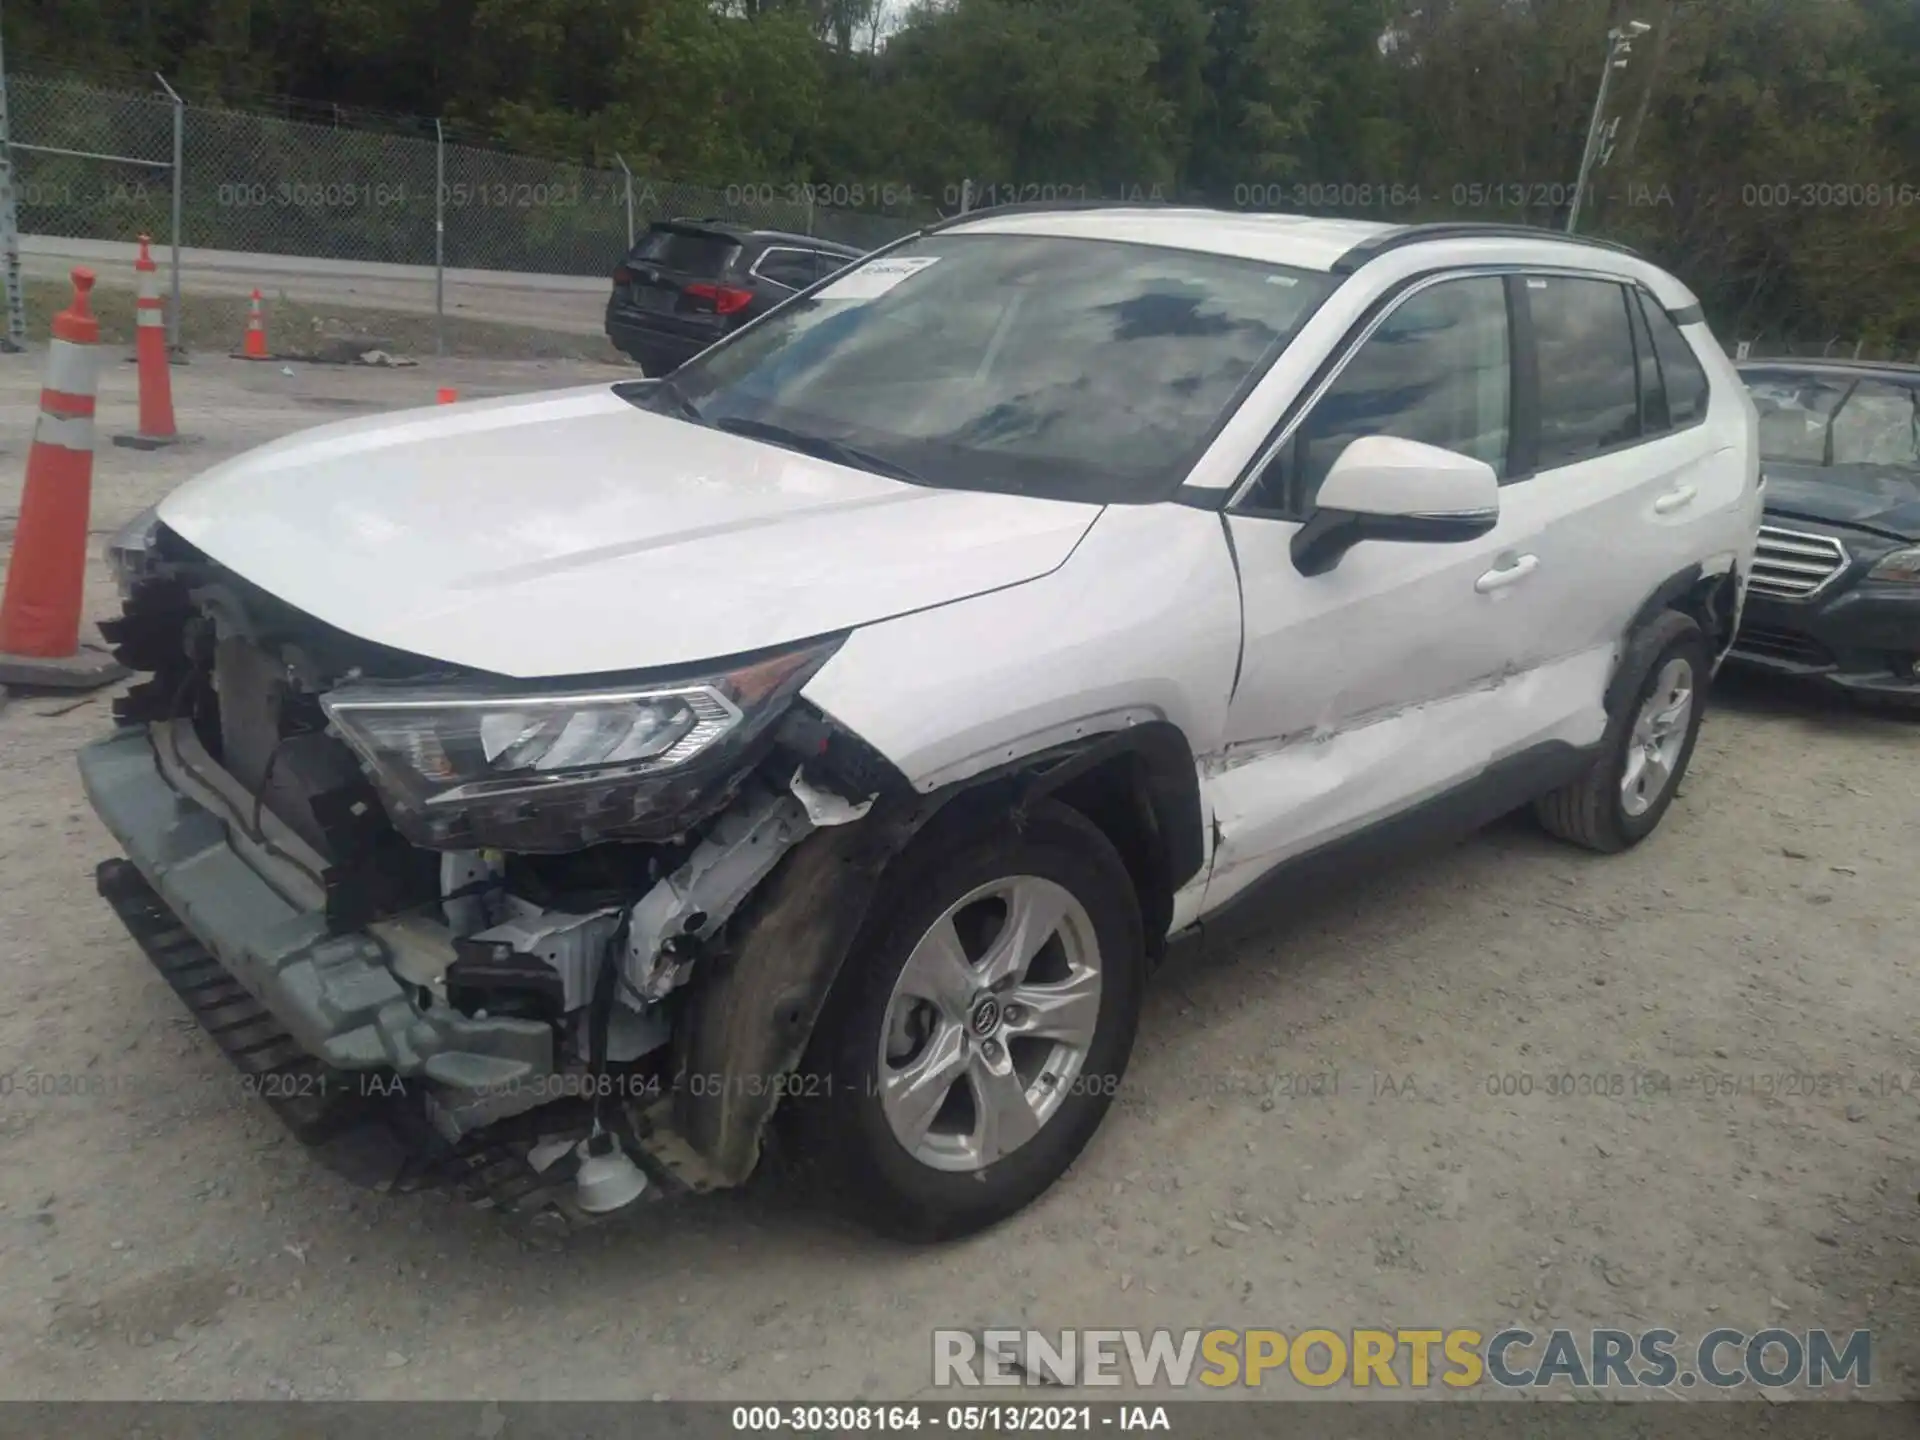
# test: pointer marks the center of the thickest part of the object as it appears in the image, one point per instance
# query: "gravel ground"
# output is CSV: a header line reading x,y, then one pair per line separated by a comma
x,y
159,1238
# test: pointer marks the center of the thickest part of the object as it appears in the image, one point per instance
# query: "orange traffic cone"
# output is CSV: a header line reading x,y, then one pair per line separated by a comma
x,y
40,614
150,349
446,395
256,346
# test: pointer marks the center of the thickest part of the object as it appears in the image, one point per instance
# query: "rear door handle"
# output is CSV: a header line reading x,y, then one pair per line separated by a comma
x,y
1500,579
1674,500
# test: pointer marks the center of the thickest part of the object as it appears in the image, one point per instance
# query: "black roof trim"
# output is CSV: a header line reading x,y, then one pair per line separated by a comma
x,y
1829,362
1406,235
742,233
1044,207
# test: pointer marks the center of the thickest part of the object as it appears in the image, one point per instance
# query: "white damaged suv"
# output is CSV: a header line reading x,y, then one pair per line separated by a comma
x,y
569,793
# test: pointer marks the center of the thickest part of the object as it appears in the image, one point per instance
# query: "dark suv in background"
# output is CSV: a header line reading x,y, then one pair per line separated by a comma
x,y
1835,591
689,282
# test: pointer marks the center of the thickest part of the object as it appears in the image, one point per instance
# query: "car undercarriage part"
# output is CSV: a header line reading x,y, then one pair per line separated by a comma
x,y
607,1180
567,946
472,885
689,906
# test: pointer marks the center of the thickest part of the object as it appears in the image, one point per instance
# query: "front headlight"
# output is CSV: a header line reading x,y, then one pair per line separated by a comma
x,y
1901,565
527,767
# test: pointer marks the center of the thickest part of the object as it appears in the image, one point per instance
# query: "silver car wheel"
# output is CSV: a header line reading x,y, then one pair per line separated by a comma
x,y
1659,734
990,1023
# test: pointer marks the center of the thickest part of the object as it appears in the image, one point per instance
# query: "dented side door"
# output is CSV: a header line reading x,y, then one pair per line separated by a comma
x,y
1403,670
1362,691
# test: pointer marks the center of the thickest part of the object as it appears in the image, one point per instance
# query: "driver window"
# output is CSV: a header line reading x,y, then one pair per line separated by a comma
x,y
1436,371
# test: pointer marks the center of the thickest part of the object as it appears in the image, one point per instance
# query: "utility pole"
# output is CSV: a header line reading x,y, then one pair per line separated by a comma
x,y
16,337
1619,45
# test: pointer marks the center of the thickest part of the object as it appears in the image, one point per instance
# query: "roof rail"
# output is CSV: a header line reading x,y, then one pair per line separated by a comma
x,y
1831,362
1377,245
1043,207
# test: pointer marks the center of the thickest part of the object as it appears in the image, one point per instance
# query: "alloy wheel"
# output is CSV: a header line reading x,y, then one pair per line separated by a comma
x,y
990,1022
1659,734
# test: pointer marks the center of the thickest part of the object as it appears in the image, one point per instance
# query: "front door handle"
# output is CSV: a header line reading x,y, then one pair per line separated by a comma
x,y
1674,500
1500,579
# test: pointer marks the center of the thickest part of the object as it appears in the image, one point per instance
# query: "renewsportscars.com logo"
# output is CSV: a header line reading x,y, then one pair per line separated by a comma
x,y
1413,1359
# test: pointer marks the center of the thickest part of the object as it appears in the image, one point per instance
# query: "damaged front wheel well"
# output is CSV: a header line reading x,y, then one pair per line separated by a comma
x,y
752,1012
1116,797
1140,786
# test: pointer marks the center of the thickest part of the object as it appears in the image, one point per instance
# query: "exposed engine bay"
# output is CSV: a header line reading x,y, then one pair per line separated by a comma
x,y
440,905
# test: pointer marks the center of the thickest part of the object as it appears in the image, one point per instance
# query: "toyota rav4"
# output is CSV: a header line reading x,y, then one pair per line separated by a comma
x,y
574,792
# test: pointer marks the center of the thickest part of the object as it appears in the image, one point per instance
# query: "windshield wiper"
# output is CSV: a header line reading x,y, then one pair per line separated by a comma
x,y
820,447
678,398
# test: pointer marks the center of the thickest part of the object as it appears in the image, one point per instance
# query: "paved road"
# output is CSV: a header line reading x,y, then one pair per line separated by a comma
x,y
571,304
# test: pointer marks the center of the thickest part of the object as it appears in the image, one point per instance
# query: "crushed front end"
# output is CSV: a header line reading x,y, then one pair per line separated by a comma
x,y
455,926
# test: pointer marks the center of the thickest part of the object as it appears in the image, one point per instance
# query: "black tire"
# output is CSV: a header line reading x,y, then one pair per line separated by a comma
x,y
843,1134
1591,811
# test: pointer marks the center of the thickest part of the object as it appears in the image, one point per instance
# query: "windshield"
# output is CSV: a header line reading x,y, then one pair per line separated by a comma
x,y
1071,369
1822,420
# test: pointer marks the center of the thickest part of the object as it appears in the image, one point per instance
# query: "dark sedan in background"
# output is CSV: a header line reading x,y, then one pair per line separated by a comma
x,y
1835,590
686,283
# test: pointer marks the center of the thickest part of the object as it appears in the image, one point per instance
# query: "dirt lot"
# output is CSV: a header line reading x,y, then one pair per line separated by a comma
x,y
160,1238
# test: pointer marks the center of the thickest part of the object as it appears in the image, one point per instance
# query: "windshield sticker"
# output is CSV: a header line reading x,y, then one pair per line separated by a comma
x,y
877,278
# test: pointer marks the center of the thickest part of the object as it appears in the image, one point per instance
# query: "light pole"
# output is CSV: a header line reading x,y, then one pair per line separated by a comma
x,y
1619,45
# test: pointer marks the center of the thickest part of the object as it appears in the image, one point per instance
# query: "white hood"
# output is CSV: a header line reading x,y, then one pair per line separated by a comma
x,y
569,533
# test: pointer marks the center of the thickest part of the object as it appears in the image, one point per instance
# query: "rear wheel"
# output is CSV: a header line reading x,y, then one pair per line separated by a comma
x,y
1649,741
981,1028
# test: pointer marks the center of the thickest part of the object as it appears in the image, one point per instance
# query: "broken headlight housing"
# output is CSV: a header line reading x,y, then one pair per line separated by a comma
x,y
129,553
466,764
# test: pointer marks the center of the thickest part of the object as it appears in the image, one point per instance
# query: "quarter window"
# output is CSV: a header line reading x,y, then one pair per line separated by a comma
x,y
1589,383
1436,370
791,268
1680,368
1654,418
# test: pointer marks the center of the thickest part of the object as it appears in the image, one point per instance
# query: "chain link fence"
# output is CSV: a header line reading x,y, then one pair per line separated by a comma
x,y
91,164
98,164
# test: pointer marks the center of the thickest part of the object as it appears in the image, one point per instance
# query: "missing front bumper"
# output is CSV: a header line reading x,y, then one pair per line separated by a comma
x,y
372,1128
334,994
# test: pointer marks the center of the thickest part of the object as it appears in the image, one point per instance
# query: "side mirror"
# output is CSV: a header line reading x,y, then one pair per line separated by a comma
x,y
1383,488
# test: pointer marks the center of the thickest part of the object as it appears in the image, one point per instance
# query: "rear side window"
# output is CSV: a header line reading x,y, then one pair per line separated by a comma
x,y
1686,382
1436,371
792,268
692,252
1589,381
